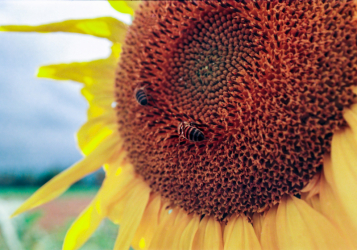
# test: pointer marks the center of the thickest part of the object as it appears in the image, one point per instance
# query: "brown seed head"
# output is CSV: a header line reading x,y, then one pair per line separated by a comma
x,y
266,81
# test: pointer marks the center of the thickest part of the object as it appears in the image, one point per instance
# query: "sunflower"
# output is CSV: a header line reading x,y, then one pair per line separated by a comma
x,y
220,125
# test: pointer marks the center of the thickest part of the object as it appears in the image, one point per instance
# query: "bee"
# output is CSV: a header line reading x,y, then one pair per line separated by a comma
x,y
141,95
189,132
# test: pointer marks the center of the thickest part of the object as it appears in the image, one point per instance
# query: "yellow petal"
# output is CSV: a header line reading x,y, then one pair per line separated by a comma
x,y
133,4
95,111
165,228
301,227
350,115
60,183
332,208
115,192
187,237
179,228
94,131
354,88
127,7
172,230
258,224
132,215
100,94
313,187
315,203
115,210
343,171
82,228
105,27
209,235
269,237
239,234
101,72
148,224
199,238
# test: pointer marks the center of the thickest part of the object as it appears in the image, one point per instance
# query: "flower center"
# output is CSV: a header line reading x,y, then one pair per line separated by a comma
x,y
265,82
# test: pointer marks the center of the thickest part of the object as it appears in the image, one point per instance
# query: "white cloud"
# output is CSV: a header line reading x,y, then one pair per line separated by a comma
x,y
39,117
39,12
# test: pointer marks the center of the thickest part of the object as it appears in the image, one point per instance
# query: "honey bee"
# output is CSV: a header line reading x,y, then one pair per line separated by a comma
x,y
189,132
141,95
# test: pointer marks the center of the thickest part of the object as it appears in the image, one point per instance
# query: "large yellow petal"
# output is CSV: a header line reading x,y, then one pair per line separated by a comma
x,y
199,238
301,227
313,187
116,190
258,224
165,228
269,235
172,230
315,203
350,115
331,208
101,71
187,237
105,27
89,220
179,228
239,235
61,182
115,210
94,131
127,7
132,215
343,171
209,235
95,111
82,228
148,224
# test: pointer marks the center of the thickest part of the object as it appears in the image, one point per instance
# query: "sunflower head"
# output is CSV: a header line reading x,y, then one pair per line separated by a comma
x,y
265,81
233,125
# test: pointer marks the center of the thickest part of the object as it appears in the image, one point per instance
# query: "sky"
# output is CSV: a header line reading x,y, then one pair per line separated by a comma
x,y
39,117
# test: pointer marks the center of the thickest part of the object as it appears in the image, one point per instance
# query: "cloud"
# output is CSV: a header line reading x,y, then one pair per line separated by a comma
x,y
39,12
39,117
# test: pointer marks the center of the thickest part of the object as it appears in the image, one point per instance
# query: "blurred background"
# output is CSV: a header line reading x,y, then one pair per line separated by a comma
x,y
38,122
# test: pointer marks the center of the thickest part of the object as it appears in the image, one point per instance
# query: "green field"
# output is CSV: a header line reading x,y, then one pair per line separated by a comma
x,y
30,231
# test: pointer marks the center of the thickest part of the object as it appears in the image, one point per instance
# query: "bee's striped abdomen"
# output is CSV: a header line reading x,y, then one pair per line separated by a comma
x,y
141,97
190,133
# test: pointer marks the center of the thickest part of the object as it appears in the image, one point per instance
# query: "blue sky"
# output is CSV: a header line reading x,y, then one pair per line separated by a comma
x,y
39,117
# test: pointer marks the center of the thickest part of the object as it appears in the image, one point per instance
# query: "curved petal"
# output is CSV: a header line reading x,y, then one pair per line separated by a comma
x,y
148,224
301,227
101,71
166,226
94,131
239,234
105,27
258,224
178,229
209,235
313,187
199,238
132,215
343,171
350,115
61,182
127,7
115,192
82,228
315,203
269,235
187,237
97,75
332,208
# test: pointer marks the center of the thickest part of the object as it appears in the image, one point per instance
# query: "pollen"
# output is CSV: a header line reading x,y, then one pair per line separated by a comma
x,y
265,81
